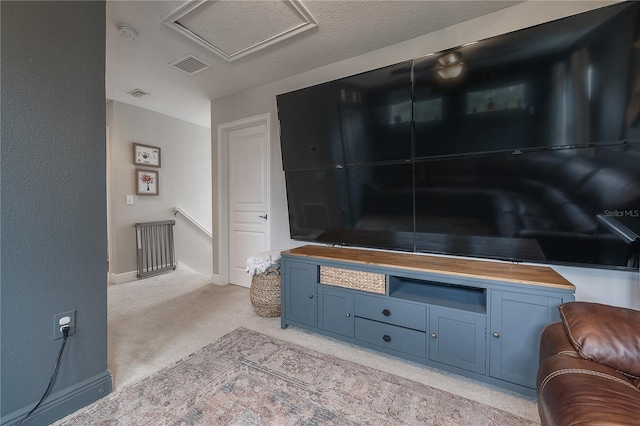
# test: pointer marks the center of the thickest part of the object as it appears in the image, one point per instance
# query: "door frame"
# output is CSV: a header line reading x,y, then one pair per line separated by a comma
x,y
223,186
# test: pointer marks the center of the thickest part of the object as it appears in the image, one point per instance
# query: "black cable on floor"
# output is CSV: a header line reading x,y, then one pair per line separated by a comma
x,y
51,381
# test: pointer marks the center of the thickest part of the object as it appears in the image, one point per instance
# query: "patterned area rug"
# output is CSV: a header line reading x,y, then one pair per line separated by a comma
x,y
248,378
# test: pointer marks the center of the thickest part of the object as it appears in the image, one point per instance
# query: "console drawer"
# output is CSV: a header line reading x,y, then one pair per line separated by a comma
x,y
399,339
396,312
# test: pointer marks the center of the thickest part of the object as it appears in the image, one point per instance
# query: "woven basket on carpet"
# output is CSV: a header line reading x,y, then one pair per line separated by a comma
x,y
265,293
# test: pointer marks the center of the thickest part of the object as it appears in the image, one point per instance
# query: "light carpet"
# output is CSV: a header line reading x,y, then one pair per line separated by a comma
x,y
248,378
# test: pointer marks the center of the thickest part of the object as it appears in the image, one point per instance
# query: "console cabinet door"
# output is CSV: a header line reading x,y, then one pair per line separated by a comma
x,y
335,310
457,338
517,321
300,292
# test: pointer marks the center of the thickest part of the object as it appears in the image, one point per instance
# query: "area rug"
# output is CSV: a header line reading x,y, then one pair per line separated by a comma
x,y
248,378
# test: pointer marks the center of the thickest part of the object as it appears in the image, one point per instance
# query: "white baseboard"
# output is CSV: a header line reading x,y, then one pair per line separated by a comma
x,y
125,277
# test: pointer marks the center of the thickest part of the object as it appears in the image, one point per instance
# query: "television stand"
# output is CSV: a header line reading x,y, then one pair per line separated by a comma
x,y
477,318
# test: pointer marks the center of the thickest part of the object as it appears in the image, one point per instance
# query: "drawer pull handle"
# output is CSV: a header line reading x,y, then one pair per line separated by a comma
x,y
348,315
495,334
310,296
434,336
386,312
386,338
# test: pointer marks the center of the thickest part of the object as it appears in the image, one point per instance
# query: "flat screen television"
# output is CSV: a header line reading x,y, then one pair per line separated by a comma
x,y
522,147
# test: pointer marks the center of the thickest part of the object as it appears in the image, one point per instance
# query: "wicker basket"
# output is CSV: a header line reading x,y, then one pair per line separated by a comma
x,y
357,280
265,293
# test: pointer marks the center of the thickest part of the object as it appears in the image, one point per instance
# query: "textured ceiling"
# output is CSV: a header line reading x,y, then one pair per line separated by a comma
x,y
234,28
345,29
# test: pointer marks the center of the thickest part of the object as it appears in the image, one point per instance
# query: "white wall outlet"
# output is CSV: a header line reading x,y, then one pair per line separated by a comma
x,y
62,319
129,199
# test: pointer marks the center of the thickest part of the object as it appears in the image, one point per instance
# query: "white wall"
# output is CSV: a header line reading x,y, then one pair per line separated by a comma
x,y
610,286
184,180
618,288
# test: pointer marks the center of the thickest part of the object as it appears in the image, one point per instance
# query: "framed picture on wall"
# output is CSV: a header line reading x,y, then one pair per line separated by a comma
x,y
146,155
147,182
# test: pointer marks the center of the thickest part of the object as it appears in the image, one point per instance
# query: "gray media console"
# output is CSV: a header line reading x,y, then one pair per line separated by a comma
x,y
476,318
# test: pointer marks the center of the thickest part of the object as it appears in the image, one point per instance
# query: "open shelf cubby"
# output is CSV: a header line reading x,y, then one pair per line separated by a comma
x,y
472,299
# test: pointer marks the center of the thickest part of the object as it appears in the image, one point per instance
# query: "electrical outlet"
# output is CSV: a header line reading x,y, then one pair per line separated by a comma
x,y
57,334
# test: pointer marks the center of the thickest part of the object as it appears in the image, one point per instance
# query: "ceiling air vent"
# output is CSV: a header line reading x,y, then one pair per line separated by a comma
x,y
189,64
137,93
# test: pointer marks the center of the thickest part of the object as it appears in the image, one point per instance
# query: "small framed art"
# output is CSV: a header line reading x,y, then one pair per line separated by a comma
x,y
146,182
146,155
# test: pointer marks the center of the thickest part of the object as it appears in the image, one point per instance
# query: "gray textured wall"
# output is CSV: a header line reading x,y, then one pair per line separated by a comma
x,y
53,202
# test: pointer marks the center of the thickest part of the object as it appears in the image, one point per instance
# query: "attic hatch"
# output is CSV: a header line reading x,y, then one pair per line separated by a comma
x,y
189,64
137,93
233,29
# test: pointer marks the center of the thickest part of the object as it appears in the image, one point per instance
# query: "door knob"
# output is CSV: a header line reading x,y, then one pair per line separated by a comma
x,y
434,336
386,312
495,334
348,315
386,338
263,217
310,296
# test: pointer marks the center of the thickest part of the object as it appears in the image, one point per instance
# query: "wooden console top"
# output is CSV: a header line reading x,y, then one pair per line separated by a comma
x,y
498,271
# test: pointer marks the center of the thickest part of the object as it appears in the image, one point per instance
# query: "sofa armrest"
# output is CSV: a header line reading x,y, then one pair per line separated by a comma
x,y
554,341
605,334
574,391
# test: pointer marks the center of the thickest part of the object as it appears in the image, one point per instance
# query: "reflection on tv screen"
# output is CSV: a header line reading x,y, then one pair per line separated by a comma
x,y
524,146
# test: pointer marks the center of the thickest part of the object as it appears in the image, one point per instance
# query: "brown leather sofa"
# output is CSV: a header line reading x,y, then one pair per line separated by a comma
x,y
590,367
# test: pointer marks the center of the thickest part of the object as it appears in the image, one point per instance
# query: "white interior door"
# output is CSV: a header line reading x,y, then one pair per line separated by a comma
x,y
247,149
